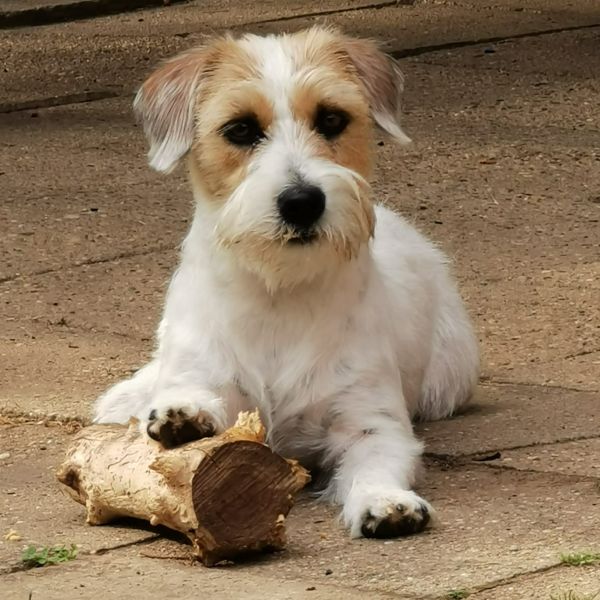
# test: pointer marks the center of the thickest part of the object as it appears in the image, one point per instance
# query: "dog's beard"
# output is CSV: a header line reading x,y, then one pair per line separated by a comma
x,y
249,226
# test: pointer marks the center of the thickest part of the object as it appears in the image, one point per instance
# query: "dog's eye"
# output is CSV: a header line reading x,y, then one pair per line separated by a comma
x,y
330,122
243,132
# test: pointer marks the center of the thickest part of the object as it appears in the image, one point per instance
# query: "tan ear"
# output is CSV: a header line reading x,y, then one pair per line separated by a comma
x,y
383,82
165,106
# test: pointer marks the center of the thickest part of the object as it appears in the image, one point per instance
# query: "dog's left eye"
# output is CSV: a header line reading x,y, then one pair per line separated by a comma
x,y
330,122
243,132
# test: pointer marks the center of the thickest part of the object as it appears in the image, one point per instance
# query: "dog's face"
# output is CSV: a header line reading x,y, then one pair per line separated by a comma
x,y
278,134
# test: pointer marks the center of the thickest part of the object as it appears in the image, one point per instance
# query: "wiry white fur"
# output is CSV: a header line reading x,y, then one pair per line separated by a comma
x,y
339,343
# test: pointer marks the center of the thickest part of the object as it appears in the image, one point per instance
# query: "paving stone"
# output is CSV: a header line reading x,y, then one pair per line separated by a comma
x,y
127,576
121,47
57,371
124,296
486,520
505,416
85,193
569,458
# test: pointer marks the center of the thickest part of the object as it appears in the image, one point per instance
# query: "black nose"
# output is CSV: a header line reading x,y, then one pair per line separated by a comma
x,y
301,206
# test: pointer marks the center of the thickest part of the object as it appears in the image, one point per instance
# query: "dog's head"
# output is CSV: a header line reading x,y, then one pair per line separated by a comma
x,y
278,134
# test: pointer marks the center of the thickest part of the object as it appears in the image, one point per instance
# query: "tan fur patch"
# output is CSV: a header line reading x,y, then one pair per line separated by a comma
x,y
378,74
329,79
352,149
230,91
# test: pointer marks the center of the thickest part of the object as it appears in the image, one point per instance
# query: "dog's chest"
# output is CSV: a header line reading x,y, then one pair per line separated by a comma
x,y
285,355
287,370
279,355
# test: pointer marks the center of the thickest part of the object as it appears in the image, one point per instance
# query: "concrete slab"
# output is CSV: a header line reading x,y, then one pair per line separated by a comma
x,y
486,520
20,5
506,416
123,296
128,576
85,193
569,458
121,47
26,13
50,370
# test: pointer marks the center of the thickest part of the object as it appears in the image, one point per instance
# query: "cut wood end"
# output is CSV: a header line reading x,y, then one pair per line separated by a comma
x,y
252,491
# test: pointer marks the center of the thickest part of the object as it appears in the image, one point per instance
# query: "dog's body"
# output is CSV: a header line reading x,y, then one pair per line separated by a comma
x,y
282,300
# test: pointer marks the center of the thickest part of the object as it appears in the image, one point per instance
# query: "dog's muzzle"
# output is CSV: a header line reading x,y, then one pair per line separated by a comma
x,y
300,208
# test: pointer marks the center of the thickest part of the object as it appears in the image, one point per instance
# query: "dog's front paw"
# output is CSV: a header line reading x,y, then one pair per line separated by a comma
x,y
389,514
176,426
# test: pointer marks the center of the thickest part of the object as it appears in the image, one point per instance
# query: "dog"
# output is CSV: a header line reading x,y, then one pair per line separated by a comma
x,y
295,292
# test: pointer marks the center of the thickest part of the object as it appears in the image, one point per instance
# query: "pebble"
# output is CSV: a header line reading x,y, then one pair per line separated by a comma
x,y
4,455
12,536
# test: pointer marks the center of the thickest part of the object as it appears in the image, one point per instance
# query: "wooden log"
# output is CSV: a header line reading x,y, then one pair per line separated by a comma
x,y
229,494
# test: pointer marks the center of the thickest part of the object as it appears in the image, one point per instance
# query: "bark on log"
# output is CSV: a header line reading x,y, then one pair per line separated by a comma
x,y
228,494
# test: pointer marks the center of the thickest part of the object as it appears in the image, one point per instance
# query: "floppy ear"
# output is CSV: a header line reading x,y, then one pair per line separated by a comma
x,y
165,106
383,82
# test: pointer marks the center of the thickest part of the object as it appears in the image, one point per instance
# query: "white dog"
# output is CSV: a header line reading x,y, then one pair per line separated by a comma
x,y
295,293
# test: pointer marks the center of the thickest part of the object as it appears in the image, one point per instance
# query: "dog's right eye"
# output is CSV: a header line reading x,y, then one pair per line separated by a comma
x,y
243,132
330,122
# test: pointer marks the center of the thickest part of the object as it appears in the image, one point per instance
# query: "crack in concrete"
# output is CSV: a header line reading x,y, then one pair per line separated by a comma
x,y
74,11
486,587
64,100
417,51
90,261
490,381
476,591
67,328
565,476
327,12
517,577
582,353
142,542
460,460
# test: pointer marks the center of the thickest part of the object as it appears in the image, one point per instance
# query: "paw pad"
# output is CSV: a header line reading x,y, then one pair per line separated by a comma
x,y
176,427
397,522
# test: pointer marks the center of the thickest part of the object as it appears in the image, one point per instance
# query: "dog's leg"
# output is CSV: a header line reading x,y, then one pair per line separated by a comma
x,y
127,398
173,413
172,410
376,456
